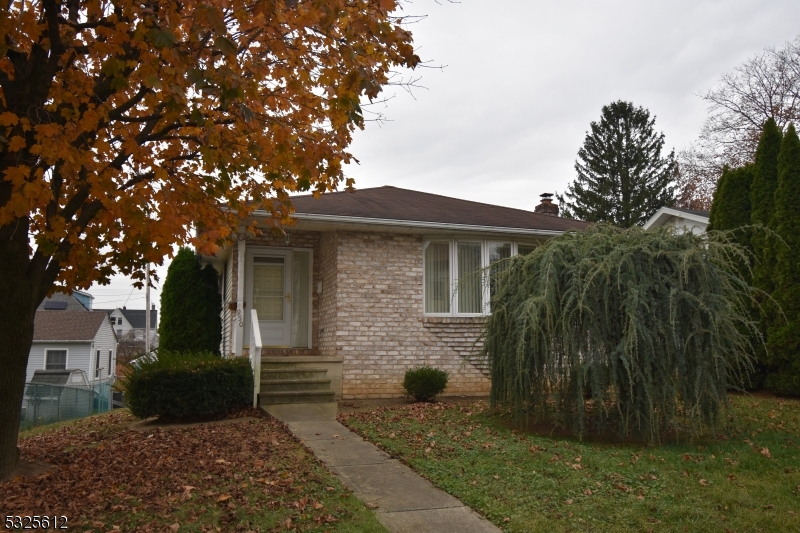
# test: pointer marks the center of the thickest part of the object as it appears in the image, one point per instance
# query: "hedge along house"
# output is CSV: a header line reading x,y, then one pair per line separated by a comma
x,y
371,283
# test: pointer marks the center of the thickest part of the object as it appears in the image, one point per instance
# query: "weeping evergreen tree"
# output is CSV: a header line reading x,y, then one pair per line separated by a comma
x,y
631,327
784,334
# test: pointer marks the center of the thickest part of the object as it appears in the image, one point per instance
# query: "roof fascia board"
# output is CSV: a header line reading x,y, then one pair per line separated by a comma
x,y
665,212
433,226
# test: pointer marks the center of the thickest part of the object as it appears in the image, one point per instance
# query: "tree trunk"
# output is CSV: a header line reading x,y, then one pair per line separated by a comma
x,y
18,302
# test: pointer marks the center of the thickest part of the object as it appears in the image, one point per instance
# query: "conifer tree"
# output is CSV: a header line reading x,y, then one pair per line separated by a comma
x,y
762,201
730,209
784,334
622,176
731,206
189,320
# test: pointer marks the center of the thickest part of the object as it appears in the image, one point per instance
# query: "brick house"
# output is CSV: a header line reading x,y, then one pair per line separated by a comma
x,y
371,283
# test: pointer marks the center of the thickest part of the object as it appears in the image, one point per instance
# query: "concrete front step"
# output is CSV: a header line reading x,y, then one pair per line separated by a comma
x,y
275,385
302,396
275,374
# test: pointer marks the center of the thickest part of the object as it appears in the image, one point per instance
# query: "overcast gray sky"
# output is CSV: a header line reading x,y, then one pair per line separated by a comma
x,y
503,120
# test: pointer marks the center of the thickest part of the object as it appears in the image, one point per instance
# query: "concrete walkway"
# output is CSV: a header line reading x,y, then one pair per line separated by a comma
x,y
404,501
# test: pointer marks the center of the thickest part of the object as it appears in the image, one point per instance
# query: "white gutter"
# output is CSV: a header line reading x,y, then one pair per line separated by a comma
x,y
433,226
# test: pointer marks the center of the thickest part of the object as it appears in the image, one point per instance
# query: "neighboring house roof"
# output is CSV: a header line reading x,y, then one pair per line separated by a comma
x,y
57,301
136,317
663,215
67,325
394,206
692,211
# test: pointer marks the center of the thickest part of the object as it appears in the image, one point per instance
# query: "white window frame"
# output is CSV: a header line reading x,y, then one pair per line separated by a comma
x,y
453,267
66,363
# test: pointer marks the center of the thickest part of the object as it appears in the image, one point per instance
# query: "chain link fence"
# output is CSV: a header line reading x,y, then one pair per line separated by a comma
x,y
45,403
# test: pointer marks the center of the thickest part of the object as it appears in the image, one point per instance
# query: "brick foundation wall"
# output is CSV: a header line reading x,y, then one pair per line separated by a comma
x,y
380,328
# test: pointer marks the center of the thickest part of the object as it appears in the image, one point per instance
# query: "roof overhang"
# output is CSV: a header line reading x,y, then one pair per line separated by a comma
x,y
61,340
663,215
317,222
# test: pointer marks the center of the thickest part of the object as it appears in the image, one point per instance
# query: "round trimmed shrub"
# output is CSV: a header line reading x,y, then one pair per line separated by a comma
x,y
179,386
424,383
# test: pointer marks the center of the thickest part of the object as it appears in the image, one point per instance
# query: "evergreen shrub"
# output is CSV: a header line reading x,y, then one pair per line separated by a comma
x,y
783,355
636,328
424,383
181,386
190,306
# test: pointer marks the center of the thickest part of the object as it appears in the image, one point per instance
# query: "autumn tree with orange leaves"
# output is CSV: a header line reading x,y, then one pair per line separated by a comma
x,y
125,123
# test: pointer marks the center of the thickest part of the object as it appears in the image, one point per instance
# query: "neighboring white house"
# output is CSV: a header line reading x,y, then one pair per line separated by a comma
x,y
67,338
687,219
127,322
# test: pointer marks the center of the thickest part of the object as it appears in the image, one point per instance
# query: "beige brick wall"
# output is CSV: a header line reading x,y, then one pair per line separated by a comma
x,y
380,328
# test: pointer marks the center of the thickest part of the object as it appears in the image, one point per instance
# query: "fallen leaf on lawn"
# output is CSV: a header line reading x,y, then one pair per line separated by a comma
x,y
768,507
318,505
329,489
175,527
704,482
731,477
370,505
506,519
765,453
224,497
258,463
496,477
588,492
569,502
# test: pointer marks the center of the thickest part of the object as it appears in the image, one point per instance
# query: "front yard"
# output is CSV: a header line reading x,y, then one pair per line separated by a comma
x,y
746,479
245,474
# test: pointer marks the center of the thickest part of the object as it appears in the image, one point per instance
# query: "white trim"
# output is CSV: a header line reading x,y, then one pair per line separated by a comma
x,y
442,226
238,314
661,217
66,362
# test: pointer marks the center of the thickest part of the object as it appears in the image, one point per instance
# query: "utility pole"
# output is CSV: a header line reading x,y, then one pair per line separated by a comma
x,y
147,313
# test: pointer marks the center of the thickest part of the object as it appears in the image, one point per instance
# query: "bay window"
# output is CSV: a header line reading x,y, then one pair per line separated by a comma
x,y
459,273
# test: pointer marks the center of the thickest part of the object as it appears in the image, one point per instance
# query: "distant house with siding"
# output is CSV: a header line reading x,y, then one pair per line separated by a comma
x,y
130,323
69,336
691,220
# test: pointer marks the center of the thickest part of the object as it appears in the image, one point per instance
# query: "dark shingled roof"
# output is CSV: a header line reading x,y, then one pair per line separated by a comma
x,y
136,317
72,303
392,203
693,211
67,325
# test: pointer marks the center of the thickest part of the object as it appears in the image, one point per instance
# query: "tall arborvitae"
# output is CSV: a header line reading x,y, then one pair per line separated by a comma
x,y
189,320
212,316
730,210
731,206
762,201
784,334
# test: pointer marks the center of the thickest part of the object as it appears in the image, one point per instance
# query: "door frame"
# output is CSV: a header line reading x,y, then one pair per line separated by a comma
x,y
250,253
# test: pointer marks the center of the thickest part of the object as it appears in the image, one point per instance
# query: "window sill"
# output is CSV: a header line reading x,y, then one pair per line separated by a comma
x,y
454,319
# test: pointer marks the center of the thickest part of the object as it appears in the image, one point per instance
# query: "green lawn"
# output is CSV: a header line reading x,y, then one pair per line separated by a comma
x,y
246,475
746,479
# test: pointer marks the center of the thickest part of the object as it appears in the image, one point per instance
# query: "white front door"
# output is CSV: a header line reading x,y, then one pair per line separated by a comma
x,y
270,296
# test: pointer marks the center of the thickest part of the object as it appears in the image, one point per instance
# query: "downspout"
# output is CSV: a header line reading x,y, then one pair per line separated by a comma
x,y
238,324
